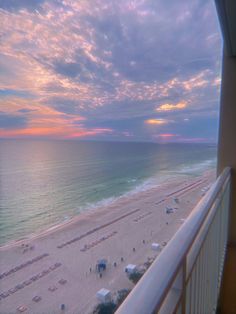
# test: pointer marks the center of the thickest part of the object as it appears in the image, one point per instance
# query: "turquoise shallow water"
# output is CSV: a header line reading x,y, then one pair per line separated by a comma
x,y
43,183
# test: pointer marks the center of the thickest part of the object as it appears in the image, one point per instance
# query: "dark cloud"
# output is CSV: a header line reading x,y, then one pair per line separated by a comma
x,y
64,105
12,92
120,110
118,125
84,70
165,43
14,5
10,121
70,69
204,126
24,110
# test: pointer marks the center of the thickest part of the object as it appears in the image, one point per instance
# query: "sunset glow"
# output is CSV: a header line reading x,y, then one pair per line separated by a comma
x,y
169,107
167,135
156,121
98,69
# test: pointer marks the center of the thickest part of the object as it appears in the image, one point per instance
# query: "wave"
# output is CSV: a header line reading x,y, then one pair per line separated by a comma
x,y
131,186
145,185
198,168
141,186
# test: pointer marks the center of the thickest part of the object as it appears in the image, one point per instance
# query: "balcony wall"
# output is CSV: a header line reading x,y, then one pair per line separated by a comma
x,y
227,156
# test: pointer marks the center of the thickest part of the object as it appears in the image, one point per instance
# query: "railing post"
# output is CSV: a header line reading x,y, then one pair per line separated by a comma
x,y
184,289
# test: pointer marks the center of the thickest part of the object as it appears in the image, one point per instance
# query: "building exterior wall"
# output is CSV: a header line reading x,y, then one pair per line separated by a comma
x,y
227,132
227,157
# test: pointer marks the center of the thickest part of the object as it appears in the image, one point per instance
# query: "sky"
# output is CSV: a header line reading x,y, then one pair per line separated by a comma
x,y
127,70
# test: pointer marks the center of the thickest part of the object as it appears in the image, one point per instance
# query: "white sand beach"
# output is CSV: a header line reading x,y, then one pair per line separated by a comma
x,y
58,266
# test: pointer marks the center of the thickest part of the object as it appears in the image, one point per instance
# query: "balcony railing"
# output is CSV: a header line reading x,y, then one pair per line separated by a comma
x,y
186,276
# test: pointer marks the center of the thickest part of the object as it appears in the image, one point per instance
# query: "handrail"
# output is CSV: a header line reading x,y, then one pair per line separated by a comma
x,y
149,293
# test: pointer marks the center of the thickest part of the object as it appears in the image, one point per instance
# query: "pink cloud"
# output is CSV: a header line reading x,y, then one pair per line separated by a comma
x,y
176,138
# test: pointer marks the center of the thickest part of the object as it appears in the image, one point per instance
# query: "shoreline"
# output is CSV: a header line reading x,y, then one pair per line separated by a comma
x,y
96,209
59,265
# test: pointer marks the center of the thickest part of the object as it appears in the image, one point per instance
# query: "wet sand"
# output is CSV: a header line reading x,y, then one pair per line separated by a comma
x,y
59,265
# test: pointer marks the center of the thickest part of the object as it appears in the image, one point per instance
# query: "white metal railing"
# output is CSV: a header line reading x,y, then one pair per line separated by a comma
x,y
186,276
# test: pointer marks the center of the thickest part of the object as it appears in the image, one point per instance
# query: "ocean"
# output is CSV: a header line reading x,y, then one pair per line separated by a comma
x,y
44,183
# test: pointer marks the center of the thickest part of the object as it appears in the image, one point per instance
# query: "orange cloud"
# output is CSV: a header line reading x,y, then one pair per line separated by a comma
x,y
32,131
170,107
197,81
167,135
89,132
52,132
43,121
157,121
